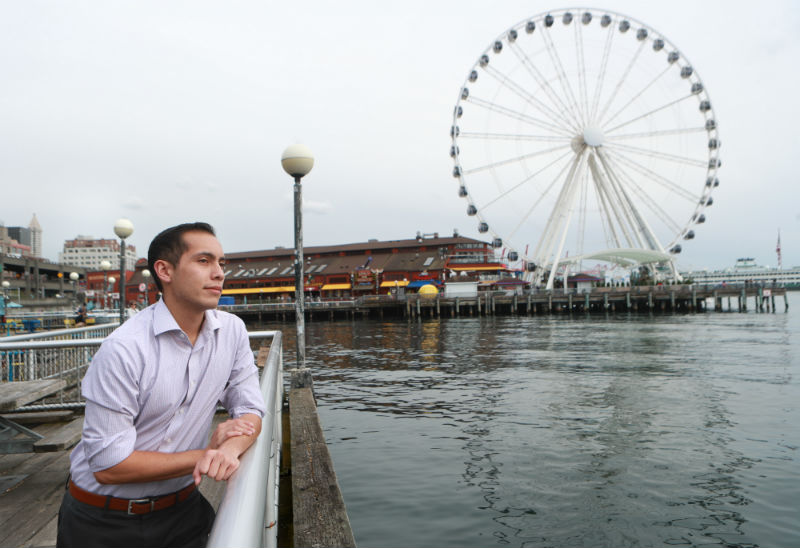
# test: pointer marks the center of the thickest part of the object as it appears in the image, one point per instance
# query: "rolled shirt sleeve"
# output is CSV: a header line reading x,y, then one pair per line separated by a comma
x,y
111,393
242,394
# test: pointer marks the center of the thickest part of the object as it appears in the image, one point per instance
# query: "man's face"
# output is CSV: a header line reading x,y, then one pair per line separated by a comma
x,y
198,276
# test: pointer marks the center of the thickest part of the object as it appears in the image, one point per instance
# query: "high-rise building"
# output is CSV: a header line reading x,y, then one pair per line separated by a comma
x,y
87,252
13,241
35,230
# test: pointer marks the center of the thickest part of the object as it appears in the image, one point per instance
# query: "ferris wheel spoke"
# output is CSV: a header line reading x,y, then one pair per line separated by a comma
x,y
660,133
671,186
660,155
516,115
645,198
536,204
529,178
544,84
621,81
528,97
581,62
641,92
601,76
510,137
562,78
649,113
515,159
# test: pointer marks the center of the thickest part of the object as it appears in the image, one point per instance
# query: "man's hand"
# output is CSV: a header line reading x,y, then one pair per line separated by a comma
x,y
217,464
230,429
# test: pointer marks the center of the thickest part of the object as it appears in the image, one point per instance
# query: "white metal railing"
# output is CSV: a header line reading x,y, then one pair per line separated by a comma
x,y
248,514
88,332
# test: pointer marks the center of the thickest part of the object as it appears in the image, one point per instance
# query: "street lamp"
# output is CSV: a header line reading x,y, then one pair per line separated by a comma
x,y
297,161
146,276
122,228
73,276
105,265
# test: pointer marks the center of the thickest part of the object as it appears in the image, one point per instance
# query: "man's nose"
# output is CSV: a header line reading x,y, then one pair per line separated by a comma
x,y
218,272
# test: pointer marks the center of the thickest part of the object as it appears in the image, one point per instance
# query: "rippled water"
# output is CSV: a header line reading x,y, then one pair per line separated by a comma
x,y
619,430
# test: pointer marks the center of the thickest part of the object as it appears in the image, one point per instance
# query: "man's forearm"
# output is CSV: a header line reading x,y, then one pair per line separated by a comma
x,y
144,466
240,444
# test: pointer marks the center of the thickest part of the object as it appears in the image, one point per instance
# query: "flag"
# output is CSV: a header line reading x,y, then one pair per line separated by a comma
x,y
778,251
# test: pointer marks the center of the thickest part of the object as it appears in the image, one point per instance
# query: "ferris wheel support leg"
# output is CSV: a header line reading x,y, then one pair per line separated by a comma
x,y
559,220
638,220
564,226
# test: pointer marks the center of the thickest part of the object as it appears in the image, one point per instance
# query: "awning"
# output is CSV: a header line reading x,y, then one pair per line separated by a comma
x,y
333,287
257,290
420,283
398,283
475,268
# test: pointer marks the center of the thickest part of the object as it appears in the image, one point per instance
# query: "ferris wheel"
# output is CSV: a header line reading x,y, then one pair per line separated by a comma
x,y
585,136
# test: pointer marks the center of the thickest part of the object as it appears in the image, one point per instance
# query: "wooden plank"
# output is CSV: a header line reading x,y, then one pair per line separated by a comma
x,y
40,417
30,506
18,393
320,516
63,438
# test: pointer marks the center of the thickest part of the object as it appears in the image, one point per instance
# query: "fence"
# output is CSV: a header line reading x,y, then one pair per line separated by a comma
x,y
248,513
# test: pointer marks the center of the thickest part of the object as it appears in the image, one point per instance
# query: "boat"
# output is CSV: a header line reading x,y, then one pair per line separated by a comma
x,y
747,271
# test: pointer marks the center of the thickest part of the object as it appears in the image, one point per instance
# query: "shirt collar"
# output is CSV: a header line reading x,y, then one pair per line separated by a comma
x,y
163,321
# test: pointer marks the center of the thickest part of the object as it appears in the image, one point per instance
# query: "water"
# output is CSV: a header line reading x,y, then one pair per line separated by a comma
x,y
619,430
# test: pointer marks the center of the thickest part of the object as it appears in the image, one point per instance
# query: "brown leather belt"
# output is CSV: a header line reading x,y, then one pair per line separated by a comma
x,y
131,506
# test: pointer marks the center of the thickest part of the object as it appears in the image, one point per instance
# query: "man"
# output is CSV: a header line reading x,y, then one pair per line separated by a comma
x,y
151,392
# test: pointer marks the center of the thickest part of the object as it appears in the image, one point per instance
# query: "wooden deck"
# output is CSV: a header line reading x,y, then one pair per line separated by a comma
x,y
31,488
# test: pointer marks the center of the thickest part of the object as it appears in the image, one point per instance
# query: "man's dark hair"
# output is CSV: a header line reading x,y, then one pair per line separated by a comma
x,y
169,245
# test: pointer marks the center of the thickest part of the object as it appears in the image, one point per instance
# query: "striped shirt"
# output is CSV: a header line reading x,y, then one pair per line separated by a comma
x,y
149,389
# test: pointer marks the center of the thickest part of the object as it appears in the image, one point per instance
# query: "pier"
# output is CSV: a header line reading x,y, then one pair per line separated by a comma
x,y
658,298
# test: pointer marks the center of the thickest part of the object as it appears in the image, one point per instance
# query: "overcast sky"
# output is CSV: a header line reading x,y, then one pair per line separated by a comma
x,y
166,112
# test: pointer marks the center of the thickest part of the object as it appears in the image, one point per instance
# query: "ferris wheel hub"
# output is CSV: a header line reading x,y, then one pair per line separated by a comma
x,y
593,136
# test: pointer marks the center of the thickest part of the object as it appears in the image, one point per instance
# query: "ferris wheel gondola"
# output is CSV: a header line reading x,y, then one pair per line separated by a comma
x,y
588,135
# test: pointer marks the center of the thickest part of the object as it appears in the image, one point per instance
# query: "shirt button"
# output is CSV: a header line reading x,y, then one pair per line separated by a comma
x,y
169,440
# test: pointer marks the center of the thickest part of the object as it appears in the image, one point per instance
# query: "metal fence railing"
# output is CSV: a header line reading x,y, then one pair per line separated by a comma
x,y
248,513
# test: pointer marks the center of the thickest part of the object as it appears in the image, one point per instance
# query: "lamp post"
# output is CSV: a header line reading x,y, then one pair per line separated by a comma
x,y
297,161
105,265
111,281
146,276
73,276
122,228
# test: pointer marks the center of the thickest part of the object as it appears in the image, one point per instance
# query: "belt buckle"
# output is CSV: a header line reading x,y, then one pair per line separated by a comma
x,y
140,501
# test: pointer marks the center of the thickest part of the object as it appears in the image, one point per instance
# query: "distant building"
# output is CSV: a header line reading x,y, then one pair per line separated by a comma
x,y
87,252
10,244
35,230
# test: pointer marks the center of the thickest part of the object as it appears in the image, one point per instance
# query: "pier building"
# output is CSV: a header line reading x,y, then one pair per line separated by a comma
x,y
351,270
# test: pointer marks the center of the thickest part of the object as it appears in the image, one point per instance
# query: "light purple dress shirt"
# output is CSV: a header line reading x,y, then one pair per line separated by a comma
x,y
149,389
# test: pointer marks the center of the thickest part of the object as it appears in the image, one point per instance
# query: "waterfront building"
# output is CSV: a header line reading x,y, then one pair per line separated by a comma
x,y
88,253
366,268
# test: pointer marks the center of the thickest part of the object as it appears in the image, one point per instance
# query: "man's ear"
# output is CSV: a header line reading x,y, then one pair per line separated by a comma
x,y
163,271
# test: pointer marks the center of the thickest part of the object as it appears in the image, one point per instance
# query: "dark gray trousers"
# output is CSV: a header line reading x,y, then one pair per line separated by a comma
x,y
186,524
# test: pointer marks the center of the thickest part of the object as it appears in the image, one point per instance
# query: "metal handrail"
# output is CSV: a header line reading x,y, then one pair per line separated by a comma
x,y
248,513
74,332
